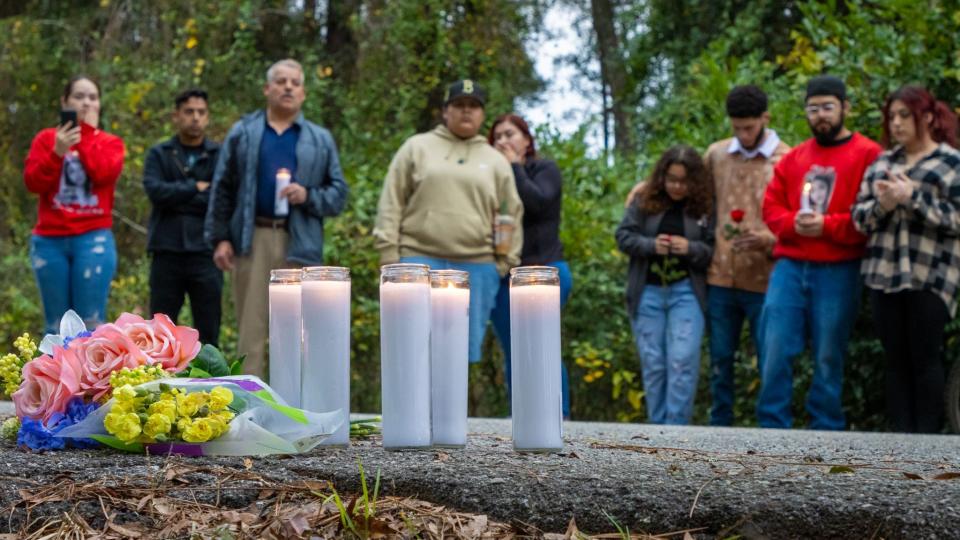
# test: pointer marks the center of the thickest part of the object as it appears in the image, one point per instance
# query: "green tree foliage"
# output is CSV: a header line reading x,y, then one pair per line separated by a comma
x,y
875,47
142,53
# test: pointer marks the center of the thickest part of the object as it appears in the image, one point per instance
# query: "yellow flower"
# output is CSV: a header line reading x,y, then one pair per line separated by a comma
x,y
157,424
223,416
220,397
219,422
124,393
121,407
165,407
183,424
126,426
26,347
189,404
199,431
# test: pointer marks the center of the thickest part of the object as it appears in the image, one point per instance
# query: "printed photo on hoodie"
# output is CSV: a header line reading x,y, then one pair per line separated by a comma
x,y
74,185
821,181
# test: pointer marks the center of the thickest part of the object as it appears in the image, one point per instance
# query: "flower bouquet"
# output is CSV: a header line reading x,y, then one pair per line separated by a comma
x,y
147,385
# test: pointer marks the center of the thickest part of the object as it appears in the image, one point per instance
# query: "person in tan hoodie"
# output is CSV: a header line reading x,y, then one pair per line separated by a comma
x,y
442,195
741,167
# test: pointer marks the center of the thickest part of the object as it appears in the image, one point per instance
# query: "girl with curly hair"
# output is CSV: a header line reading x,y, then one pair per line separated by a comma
x,y
667,231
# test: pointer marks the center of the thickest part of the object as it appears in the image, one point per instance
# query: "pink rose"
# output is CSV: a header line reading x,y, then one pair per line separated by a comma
x,y
49,383
109,349
171,346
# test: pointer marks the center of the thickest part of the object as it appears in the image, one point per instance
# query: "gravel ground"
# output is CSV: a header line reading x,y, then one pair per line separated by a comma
x,y
752,482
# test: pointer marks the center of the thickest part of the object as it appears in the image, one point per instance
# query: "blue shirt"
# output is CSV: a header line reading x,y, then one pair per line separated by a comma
x,y
277,151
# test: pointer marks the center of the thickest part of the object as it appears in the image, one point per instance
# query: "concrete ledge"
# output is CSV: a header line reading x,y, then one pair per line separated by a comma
x,y
753,482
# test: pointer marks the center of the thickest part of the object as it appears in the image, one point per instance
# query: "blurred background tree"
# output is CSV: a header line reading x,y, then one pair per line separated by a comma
x,y
376,71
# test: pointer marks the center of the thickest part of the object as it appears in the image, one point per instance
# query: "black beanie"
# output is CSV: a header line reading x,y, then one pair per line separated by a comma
x,y
826,85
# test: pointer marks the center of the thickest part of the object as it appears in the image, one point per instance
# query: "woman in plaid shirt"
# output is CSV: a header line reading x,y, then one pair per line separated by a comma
x,y
909,206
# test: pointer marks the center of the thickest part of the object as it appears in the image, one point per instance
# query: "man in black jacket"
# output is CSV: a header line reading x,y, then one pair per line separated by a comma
x,y
176,177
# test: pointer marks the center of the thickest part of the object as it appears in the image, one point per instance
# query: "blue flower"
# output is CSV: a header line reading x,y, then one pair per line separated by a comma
x,y
38,437
68,339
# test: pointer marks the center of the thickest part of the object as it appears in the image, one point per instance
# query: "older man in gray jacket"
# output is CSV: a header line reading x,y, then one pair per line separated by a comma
x,y
277,177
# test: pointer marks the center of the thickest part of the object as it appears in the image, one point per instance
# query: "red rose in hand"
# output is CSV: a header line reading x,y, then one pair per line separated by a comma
x,y
730,231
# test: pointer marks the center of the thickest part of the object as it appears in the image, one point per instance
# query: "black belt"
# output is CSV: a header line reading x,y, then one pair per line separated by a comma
x,y
270,223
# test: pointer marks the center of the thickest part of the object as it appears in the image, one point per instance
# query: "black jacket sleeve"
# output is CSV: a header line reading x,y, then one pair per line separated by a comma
x,y
164,192
630,237
701,251
539,192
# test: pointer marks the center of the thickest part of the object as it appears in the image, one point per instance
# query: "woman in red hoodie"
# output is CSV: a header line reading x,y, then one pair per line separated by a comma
x,y
73,169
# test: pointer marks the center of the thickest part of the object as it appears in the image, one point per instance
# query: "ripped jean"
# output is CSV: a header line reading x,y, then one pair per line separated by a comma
x,y
668,327
74,272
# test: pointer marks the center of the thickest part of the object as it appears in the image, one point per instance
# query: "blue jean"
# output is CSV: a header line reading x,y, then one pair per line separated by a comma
x,y
726,310
74,272
815,299
484,282
500,317
668,327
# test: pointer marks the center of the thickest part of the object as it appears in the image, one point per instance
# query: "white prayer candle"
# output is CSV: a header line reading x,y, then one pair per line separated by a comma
x,y
449,339
535,350
281,205
325,369
285,334
805,199
405,355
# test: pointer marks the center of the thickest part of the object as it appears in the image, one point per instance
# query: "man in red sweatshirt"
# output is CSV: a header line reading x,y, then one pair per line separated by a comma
x,y
814,290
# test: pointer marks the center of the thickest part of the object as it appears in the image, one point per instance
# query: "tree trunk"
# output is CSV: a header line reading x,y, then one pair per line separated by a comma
x,y
341,49
310,26
341,44
613,72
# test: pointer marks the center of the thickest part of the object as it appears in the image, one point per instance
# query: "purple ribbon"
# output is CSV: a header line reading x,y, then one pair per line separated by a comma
x,y
160,449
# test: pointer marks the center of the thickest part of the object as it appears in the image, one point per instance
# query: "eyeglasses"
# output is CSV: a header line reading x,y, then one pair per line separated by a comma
x,y
828,108
675,180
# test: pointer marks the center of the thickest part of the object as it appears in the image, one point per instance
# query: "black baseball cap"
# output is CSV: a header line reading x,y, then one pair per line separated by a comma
x,y
464,88
826,85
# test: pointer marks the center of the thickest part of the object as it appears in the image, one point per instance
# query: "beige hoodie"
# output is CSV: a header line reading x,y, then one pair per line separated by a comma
x,y
440,199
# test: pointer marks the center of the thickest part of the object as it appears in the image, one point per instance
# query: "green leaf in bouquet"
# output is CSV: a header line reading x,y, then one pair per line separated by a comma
x,y
197,373
236,368
113,442
211,361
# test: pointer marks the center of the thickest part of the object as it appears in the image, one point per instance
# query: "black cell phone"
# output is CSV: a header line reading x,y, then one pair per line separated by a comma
x,y
68,115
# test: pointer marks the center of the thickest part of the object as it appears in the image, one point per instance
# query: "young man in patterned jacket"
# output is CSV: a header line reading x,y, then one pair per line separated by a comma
x,y
741,167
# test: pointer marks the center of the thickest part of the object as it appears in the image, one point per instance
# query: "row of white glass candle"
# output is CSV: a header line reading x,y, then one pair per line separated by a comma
x,y
424,335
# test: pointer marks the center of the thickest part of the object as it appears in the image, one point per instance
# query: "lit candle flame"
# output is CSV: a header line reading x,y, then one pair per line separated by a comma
x,y
806,188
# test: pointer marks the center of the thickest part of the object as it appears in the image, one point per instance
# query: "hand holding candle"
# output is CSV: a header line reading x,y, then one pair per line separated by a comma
x,y
805,199
281,206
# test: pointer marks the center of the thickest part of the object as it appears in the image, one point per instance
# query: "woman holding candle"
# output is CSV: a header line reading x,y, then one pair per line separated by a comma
x,y
73,168
539,185
668,232
909,207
